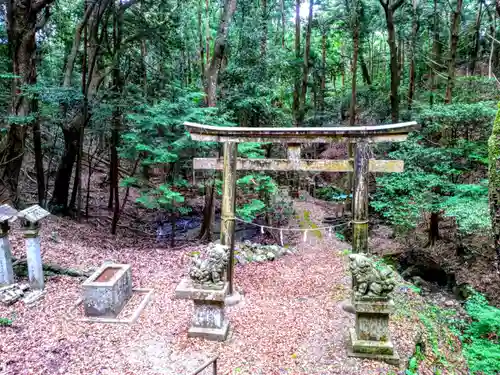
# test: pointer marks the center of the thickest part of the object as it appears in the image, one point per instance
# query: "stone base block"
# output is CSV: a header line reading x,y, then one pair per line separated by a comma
x,y
213,334
377,350
233,299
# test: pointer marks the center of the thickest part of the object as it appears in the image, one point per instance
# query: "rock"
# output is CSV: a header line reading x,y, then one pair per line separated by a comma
x,y
270,256
260,258
449,303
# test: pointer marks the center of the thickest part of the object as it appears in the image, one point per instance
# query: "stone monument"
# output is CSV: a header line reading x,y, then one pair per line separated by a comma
x,y
372,284
207,287
31,225
7,214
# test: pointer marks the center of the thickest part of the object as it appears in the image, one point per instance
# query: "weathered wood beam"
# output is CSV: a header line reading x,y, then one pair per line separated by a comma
x,y
352,134
305,165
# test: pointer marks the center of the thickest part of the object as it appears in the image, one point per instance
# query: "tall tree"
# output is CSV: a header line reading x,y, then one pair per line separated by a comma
x,y
23,19
355,26
76,118
213,69
475,39
211,79
305,68
454,35
296,88
413,46
390,7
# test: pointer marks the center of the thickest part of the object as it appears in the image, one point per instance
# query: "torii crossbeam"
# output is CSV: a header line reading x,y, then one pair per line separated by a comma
x,y
361,136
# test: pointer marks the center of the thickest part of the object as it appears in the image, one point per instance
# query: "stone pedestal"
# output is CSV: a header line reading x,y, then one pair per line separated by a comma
x,y
370,338
6,271
34,257
209,320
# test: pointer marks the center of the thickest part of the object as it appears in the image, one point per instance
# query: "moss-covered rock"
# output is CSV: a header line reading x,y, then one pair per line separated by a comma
x,y
253,252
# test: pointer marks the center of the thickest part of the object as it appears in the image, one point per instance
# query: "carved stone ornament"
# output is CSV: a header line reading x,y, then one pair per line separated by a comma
x,y
208,273
370,280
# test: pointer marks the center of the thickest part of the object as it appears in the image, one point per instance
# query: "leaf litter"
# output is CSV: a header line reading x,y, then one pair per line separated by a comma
x,y
290,321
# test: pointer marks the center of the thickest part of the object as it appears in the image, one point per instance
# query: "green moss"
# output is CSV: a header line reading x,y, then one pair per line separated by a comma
x,y
493,159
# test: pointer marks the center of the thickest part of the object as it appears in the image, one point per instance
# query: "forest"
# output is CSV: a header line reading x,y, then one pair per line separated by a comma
x,y
95,94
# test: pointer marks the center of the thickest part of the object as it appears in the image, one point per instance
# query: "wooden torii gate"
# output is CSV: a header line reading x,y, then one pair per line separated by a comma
x,y
361,136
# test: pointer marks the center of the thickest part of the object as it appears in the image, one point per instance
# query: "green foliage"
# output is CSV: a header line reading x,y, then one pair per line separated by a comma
x,y
481,337
439,161
250,210
414,362
256,185
469,206
163,197
5,322
331,193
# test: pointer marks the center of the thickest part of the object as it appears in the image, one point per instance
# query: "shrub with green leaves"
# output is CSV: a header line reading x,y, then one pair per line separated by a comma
x,y
445,167
481,338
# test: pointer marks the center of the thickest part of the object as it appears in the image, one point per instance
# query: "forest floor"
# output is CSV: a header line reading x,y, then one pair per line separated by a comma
x,y
290,321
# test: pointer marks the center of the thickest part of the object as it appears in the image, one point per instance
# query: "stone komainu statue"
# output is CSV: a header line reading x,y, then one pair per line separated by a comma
x,y
210,271
370,279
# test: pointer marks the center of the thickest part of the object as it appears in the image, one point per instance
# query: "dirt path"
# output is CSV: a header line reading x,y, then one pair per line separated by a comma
x,y
290,321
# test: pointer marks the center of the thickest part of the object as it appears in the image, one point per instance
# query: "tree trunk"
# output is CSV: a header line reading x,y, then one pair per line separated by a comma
x,y
62,181
492,50
364,70
475,49
21,25
201,43
434,228
211,77
71,130
263,39
213,69
355,47
494,183
305,72
117,116
207,31
454,30
389,8
413,45
40,175
323,72
296,89
208,212
282,6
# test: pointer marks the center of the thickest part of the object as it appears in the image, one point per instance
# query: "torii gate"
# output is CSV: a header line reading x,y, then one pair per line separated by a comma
x,y
361,136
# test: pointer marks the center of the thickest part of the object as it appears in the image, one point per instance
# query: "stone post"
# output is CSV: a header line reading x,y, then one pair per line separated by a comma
x,y
31,217
33,255
7,214
6,271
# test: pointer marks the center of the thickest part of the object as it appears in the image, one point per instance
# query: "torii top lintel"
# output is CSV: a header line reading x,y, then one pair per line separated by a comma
x,y
353,134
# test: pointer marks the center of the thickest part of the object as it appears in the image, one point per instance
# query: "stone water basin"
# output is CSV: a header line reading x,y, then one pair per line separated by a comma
x,y
107,290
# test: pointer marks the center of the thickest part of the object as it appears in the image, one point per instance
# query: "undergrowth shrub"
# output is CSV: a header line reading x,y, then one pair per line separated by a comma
x,y
481,336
